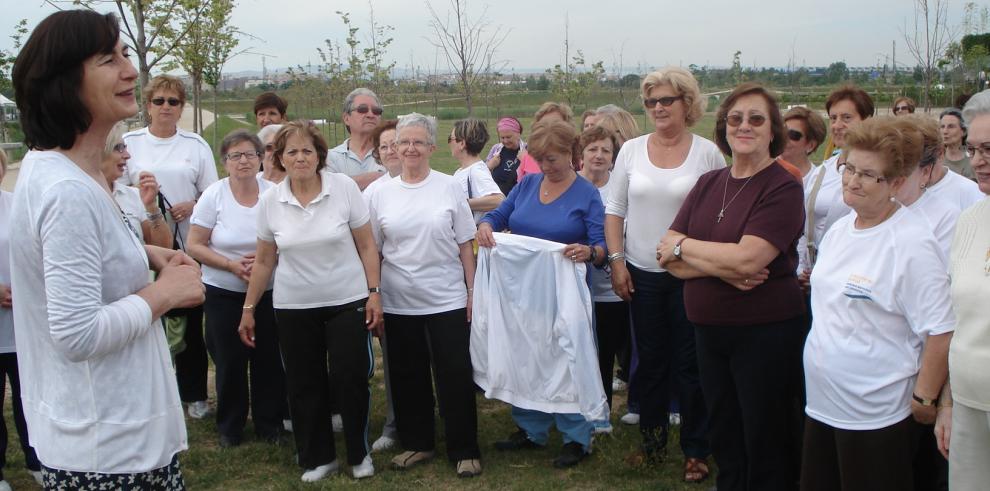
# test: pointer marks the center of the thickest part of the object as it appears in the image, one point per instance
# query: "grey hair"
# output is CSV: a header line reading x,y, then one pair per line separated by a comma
x,y
349,100
237,136
417,120
116,136
608,109
268,132
978,105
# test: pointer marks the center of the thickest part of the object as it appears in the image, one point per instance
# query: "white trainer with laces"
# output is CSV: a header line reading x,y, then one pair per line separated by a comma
x,y
313,475
5,486
630,419
198,409
383,443
365,469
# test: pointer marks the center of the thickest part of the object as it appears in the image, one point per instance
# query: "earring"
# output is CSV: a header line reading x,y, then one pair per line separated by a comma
x,y
893,199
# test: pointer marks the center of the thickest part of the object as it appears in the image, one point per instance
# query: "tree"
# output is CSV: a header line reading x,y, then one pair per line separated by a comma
x,y
573,80
466,44
836,72
190,55
379,72
928,40
152,28
220,39
7,59
737,74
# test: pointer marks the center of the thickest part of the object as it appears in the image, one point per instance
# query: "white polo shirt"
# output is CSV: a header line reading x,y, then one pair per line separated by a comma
x,y
958,190
341,159
318,263
476,181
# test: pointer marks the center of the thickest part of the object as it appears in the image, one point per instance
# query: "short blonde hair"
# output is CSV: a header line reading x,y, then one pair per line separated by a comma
x,y
560,108
684,84
620,121
899,142
165,82
116,135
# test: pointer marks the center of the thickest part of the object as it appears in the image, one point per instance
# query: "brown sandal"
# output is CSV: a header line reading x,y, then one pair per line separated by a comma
x,y
695,470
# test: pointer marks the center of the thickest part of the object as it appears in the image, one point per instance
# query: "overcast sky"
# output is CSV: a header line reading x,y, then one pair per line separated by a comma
x,y
647,33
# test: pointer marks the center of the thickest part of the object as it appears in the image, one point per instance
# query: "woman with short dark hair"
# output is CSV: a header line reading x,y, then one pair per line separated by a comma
x,y
314,235
467,140
223,237
734,243
98,390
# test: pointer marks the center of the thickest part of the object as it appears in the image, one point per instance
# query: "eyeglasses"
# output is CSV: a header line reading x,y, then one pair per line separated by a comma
x,y
364,108
850,171
795,135
120,148
419,144
736,119
270,147
172,101
235,156
663,101
903,108
983,149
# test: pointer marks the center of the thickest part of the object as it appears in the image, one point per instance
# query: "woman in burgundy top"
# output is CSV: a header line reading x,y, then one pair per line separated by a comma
x,y
734,241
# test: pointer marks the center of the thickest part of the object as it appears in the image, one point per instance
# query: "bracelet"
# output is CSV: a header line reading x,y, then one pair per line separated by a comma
x,y
248,306
594,254
615,256
155,216
922,401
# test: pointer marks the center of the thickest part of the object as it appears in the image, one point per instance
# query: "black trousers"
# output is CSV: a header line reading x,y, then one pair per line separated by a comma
x,y
306,337
665,346
413,342
848,460
747,375
931,470
611,332
8,370
191,364
265,385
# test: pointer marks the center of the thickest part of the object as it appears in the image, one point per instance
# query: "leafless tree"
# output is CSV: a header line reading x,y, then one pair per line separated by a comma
x,y
928,40
466,43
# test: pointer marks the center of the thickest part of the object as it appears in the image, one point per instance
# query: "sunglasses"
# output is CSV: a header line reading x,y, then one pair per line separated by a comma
x,y
794,135
755,120
363,109
663,101
120,148
902,108
172,101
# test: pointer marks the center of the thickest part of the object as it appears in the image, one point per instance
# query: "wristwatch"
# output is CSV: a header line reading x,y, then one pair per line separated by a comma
x,y
677,247
374,290
924,402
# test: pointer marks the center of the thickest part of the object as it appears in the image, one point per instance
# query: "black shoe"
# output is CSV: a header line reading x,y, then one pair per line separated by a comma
x,y
570,455
271,437
517,441
229,441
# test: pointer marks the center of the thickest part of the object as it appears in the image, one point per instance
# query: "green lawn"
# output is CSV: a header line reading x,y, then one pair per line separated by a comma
x,y
257,465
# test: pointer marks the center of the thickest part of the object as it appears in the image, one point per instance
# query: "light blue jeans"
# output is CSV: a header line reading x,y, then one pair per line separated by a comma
x,y
537,424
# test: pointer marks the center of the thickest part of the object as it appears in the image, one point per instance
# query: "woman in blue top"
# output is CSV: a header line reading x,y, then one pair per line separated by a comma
x,y
561,206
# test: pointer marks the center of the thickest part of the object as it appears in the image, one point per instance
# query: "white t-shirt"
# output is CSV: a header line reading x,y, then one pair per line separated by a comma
x,y
97,383
829,206
318,262
941,216
418,228
233,228
130,203
6,315
649,197
601,279
476,181
182,163
877,294
958,190
373,187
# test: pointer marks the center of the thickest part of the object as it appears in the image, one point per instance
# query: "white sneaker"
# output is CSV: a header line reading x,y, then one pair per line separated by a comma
x,y
618,385
287,425
338,423
630,419
5,486
675,419
198,409
313,475
365,469
383,443
603,428
38,477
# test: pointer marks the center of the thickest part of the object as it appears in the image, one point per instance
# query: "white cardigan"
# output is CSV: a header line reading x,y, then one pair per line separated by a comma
x,y
532,343
97,384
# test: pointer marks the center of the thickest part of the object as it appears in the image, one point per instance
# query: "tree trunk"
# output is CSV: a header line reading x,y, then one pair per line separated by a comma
x,y
216,121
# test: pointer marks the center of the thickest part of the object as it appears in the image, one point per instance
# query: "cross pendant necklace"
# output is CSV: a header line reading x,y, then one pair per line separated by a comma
x,y
721,212
721,215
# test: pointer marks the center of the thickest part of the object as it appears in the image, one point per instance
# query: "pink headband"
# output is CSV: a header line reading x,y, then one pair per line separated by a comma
x,y
509,124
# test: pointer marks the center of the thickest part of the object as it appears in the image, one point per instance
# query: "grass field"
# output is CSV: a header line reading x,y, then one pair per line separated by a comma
x,y
260,466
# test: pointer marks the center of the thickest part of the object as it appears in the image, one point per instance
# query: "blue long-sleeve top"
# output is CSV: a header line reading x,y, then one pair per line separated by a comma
x,y
576,216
